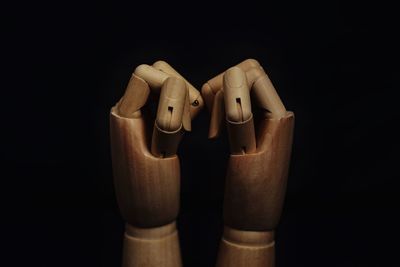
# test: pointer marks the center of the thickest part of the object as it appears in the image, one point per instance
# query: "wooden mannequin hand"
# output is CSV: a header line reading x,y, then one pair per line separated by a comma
x,y
258,165
148,186
263,94
146,170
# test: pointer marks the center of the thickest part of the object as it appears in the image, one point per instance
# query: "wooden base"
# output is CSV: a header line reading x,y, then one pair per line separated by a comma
x,y
151,247
246,249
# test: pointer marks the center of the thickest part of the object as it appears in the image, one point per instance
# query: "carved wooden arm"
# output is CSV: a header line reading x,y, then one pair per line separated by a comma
x,y
258,166
147,176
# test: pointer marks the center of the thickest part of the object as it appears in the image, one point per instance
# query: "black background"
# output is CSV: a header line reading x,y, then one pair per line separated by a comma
x,y
66,64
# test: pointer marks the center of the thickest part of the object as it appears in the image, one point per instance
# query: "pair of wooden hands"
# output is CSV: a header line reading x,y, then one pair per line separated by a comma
x,y
147,172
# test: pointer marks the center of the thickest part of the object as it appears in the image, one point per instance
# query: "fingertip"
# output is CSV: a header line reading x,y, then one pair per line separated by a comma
x,y
252,62
159,64
141,69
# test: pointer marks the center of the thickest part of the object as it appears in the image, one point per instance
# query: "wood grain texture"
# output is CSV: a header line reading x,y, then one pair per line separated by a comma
x,y
267,97
238,113
242,139
170,124
213,85
147,187
262,90
236,95
254,193
153,77
153,247
170,110
147,172
246,249
165,144
256,183
196,100
217,116
135,97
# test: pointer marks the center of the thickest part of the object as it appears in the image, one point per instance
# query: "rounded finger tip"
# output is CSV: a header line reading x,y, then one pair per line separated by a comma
x,y
159,64
234,77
